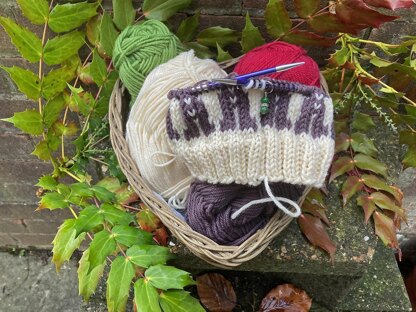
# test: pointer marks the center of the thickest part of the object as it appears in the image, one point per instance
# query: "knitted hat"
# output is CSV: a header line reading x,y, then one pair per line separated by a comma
x,y
146,127
224,136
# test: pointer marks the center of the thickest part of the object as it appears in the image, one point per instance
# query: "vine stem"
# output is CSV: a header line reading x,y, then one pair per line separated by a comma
x,y
40,72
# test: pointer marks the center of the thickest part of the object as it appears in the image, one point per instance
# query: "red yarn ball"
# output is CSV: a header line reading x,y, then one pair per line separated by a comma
x,y
279,53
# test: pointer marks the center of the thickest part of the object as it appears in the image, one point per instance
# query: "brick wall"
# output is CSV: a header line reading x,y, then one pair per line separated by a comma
x,y
19,224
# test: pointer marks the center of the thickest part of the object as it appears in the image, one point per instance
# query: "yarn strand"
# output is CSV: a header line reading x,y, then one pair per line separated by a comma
x,y
275,199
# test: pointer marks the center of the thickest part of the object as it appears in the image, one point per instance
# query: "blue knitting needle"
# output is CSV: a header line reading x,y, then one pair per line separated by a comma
x,y
242,80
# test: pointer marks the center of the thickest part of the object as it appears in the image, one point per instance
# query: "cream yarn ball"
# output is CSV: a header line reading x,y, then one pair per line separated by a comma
x,y
146,135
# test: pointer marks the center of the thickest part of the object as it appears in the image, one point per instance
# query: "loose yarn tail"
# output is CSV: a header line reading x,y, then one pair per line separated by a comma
x,y
276,200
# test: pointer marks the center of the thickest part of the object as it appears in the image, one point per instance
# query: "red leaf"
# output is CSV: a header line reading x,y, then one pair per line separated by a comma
x,y
368,206
340,166
303,37
316,210
342,142
315,232
390,4
147,220
161,236
367,80
286,298
216,292
385,229
329,23
351,186
356,12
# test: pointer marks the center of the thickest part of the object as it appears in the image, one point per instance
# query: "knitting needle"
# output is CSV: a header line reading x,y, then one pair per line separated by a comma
x,y
242,80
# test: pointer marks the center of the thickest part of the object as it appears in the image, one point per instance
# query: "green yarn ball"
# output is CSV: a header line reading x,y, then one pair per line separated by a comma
x,y
141,48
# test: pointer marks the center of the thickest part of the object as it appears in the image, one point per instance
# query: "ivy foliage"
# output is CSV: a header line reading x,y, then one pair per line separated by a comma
x,y
368,80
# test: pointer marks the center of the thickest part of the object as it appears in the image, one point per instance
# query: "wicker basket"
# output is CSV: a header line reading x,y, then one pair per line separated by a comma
x,y
198,244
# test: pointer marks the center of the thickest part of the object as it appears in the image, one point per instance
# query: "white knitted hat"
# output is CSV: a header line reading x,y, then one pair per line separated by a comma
x,y
224,136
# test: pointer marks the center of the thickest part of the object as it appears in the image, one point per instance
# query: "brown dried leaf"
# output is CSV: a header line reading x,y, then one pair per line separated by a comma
x,y
216,292
315,209
385,229
315,232
368,206
341,166
351,186
286,298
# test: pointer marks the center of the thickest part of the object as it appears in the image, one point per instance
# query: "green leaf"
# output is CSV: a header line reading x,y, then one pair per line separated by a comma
x,y
306,8
124,13
360,143
189,27
368,206
36,11
212,36
222,55
27,82
385,202
115,215
351,186
46,147
342,142
162,10
379,184
68,16
341,166
362,121
277,18
65,243
69,129
129,236
81,189
108,34
63,47
409,159
56,80
47,182
29,121
146,297
88,219
101,246
368,163
303,37
328,22
112,184
385,229
87,280
103,194
53,110
98,69
28,44
407,137
179,301
340,57
168,277
118,284
53,201
201,51
148,255
251,36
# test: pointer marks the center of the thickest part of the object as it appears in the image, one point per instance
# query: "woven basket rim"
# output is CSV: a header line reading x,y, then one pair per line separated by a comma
x,y
200,245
